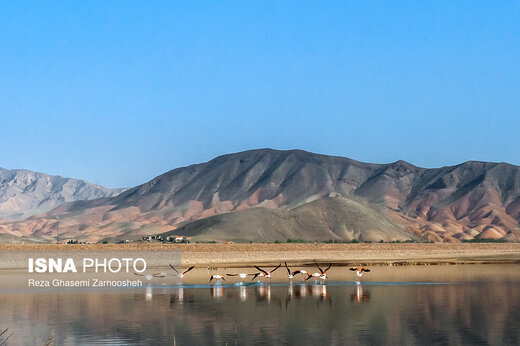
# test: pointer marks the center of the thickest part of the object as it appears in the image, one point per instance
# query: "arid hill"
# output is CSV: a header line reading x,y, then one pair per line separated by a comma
x,y
303,195
25,193
326,219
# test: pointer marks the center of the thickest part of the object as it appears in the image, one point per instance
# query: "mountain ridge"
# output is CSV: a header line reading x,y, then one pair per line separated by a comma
x,y
451,203
24,193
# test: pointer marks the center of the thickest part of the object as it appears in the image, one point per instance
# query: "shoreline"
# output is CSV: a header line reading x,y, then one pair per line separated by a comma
x,y
248,255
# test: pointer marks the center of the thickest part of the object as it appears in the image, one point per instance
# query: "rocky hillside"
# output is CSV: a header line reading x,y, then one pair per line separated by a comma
x,y
24,193
466,201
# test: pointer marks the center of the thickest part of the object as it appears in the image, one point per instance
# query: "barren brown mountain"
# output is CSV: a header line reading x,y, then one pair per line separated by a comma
x,y
296,194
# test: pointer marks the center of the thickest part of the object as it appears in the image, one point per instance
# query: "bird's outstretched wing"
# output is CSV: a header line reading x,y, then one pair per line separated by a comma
x,y
159,275
174,268
231,274
295,272
255,276
211,278
326,270
276,268
138,274
353,269
187,270
365,269
288,270
263,271
308,277
321,270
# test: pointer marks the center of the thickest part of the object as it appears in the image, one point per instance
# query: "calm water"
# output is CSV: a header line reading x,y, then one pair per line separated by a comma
x,y
477,305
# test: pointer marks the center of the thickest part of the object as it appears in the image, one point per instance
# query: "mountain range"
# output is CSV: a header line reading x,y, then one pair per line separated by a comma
x,y
271,195
25,193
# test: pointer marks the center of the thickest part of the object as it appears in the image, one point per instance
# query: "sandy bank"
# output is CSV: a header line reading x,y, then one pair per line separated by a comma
x,y
341,254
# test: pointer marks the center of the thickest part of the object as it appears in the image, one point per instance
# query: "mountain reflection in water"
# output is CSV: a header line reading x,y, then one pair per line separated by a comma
x,y
483,312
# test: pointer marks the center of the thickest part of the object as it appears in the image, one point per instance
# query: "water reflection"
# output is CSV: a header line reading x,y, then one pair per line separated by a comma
x,y
263,292
180,295
360,297
303,291
149,294
217,291
369,313
243,293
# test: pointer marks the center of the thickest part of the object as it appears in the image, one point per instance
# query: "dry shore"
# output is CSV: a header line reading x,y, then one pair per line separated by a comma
x,y
240,255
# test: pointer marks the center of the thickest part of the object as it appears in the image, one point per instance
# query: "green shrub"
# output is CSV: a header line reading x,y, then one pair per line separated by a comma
x,y
298,241
485,240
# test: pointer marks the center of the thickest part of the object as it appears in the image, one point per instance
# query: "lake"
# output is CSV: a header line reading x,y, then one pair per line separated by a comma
x,y
444,305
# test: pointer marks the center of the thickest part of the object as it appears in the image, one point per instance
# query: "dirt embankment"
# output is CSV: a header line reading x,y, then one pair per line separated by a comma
x,y
340,254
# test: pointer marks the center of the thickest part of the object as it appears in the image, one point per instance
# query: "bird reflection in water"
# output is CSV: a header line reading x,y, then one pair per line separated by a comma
x,y
263,292
295,292
316,290
217,291
243,293
360,297
320,291
302,292
178,297
149,294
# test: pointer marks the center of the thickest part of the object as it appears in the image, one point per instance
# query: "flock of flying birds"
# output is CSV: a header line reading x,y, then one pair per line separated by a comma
x,y
319,277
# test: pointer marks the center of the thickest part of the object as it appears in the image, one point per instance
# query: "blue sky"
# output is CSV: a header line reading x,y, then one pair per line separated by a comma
x,y
117,92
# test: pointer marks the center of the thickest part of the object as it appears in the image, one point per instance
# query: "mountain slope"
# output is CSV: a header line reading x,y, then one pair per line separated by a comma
x,y
330,218
466,201
25,193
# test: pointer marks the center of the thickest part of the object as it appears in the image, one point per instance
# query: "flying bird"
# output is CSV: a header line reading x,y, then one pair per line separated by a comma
x,y
313,275
180,275
359,272
303,272
217,277
147,276
323,275
290,274
264,273
241,275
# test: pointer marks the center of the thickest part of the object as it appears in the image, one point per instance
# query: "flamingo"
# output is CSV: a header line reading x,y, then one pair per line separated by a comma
x,y
258,275
147,276
151,276
241,275
323,275
265,274
180,275
303,272
359,272
313,275
217,277
290,274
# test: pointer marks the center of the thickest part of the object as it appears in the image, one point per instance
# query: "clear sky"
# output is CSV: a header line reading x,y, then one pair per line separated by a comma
x,y
117,92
